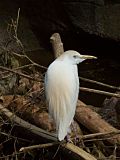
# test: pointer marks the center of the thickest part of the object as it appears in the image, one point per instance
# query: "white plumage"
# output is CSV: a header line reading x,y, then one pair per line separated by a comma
x,y
62,88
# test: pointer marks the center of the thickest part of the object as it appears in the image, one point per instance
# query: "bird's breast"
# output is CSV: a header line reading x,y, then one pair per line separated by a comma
x,y
62,79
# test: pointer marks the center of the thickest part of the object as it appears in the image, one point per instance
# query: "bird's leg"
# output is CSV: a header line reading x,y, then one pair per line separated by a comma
x,y
68,139
74,128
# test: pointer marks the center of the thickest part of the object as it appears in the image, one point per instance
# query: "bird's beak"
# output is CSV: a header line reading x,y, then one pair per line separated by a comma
x,y
87,57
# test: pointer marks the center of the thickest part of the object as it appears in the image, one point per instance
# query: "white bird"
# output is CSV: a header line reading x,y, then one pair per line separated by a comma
x,y
62,88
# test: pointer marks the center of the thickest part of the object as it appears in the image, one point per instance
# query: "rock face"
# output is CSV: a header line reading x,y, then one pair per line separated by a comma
x,y
100,17
95,17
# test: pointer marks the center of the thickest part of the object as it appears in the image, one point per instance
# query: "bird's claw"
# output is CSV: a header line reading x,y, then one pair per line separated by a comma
x,y
68,139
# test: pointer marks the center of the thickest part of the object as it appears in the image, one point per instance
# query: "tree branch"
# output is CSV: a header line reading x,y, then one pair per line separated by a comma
x,y
99,83
19,73
57,45
100,92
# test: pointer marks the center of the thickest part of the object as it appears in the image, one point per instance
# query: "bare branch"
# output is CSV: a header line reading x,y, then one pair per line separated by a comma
x,y
17,20
39,146
99,83
19,73
106,135
25,56
100,92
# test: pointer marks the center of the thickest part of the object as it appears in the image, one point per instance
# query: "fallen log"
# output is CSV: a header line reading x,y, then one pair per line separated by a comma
x,y
84,115
94,122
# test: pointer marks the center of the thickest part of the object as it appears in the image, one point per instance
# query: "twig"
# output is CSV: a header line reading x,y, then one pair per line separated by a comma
x,y
38,146
25,56
15,27
10,155
21,67
100,92
106,134
99,83
18,73
25,66
98,139
10,136
17,20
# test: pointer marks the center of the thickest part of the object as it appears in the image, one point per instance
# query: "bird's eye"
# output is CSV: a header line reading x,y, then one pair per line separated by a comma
x,y
74,56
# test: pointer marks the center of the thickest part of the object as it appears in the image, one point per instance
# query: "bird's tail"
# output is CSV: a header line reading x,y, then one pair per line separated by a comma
x,y
62,131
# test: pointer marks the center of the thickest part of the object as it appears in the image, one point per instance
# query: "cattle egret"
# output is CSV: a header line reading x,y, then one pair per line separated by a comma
x,y
62,88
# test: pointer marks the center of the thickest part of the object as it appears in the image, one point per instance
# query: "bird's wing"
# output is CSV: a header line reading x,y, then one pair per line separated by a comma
x,y
62,86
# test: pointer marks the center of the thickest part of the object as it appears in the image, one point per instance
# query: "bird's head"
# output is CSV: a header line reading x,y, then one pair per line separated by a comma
x,y
74,57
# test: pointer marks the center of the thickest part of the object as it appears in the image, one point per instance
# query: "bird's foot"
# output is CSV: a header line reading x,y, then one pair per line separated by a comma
x,y
76,139
68,139
75,131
